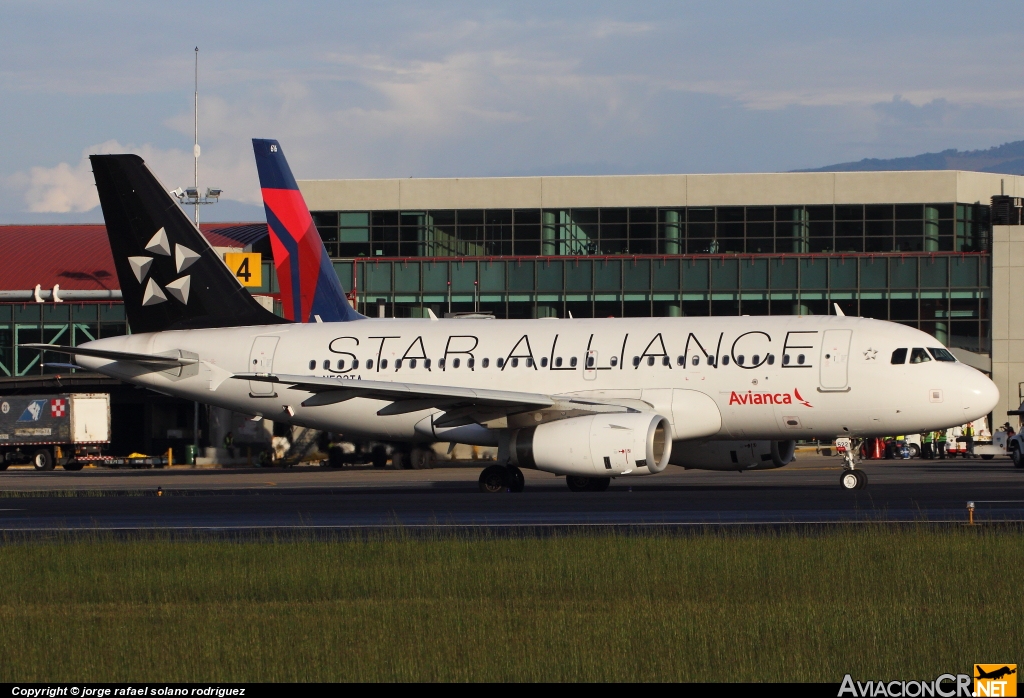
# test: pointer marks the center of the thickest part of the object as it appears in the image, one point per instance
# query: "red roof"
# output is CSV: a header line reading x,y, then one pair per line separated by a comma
x,y
75,256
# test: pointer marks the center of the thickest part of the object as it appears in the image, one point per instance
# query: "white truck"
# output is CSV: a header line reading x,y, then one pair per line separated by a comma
x,y
69,430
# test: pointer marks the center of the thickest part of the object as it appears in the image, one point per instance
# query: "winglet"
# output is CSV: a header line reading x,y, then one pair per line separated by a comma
x,y
839,311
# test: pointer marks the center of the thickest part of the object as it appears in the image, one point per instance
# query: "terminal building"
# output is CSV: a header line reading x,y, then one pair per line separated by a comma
x,y
939,250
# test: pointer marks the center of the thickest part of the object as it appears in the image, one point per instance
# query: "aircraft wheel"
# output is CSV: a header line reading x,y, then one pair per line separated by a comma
x,y
598,484
850,480
577,483
42,460
494,478
516,481
1018,459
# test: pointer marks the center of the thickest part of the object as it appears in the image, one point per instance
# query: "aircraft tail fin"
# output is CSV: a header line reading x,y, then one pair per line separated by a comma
x,y
170,277
309,286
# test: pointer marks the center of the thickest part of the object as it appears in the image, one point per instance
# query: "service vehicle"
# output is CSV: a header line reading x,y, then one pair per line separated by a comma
x,y
69,430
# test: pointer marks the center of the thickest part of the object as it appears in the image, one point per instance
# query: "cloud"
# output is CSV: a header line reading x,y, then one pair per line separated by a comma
x,y
67,188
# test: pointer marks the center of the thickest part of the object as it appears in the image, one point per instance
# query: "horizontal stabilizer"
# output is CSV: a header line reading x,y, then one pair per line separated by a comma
x,y
148,359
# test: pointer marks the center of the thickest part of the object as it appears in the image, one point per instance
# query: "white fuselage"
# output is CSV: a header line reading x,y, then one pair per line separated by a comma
x,y
780,377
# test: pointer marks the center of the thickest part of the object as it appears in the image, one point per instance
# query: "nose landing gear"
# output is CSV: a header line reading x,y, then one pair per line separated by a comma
x,y
851,479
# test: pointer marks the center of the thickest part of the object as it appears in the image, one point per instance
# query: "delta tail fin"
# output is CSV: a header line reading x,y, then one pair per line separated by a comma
x,y
310,289
171,279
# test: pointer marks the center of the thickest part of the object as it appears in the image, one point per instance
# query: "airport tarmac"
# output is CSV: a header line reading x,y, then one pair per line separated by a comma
x,y
805,492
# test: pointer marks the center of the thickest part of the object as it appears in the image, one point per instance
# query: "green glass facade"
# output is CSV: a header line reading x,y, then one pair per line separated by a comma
x,y
872,228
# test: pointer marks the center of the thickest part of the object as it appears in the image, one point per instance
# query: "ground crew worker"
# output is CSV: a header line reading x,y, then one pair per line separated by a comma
x,y
969,440
940,443
229,444
926,445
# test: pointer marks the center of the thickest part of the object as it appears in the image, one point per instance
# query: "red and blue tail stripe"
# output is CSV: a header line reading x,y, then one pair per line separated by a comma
x,y
309,286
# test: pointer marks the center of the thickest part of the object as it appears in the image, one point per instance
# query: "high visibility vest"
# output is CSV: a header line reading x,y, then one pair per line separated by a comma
x,y
968,430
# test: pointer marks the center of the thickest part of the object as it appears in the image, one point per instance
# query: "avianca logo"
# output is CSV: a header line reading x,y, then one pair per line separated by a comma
x,y
752,398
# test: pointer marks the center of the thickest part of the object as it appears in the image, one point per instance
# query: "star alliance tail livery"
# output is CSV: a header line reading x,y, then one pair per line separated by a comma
x,y
591,399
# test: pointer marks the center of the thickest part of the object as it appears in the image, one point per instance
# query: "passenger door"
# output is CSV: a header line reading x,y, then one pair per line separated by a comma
x,y
261,360
835,360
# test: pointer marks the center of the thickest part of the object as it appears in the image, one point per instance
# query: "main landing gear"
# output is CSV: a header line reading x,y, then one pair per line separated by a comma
x,y
499,478
851,479
579,483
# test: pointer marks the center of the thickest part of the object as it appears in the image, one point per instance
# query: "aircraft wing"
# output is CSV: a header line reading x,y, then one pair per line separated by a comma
x,y
461,405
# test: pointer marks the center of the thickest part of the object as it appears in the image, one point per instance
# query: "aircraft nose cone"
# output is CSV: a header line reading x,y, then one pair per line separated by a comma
x,y
979,396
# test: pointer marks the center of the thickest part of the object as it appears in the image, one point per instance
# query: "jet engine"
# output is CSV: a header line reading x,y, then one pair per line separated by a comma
x,y
600,445
733,455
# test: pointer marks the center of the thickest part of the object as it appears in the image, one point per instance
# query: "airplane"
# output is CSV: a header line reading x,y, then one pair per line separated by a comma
x,y
995,674
589,399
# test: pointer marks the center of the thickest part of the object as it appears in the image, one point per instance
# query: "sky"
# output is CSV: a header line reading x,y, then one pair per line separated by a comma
x,y
447,89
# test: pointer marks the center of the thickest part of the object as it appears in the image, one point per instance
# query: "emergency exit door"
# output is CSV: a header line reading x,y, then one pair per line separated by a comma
x,y
835,359
261,360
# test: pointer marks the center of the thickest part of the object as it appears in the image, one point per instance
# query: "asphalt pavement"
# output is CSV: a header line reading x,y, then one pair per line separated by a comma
x,y
805,492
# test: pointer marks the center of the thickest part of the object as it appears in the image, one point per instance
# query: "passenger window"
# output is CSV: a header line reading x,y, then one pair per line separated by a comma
x,y
384,363
696,360
398,364
899,356
590,362
501,363
543,362
426,364
614,361
757,359
771,359
327,364
800,359
412,363
471,362
680,361
665,361
785,359
355,363
369,363
341,364
440,363
515,362
558,362
650,360
725,360
456,362
740,359
919,356
572,362
941,354
312,365
529,362
486,362
711,360
636,361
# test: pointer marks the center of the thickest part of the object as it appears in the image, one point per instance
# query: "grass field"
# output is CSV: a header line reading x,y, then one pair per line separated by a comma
x,y
875,602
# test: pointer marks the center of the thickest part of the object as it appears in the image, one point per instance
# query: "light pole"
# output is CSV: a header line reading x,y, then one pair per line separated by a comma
x,y
190,196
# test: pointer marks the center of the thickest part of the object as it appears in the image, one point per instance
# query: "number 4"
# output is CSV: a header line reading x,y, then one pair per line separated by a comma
x,y
243,271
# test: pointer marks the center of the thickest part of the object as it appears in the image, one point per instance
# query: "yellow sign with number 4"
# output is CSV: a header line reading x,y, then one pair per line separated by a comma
x,y
246,266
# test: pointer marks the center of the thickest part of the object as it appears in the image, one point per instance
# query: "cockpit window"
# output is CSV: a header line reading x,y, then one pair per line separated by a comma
x,y
941,354
919,356
899,356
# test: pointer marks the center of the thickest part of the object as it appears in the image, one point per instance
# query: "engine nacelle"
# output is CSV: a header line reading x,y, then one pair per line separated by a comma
x,y
600,445
733,455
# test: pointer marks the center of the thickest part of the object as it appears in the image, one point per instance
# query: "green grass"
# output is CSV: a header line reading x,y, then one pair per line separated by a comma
x,y
875,602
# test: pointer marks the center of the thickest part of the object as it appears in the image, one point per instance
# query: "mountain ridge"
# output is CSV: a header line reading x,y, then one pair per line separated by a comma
x,y
1007,158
